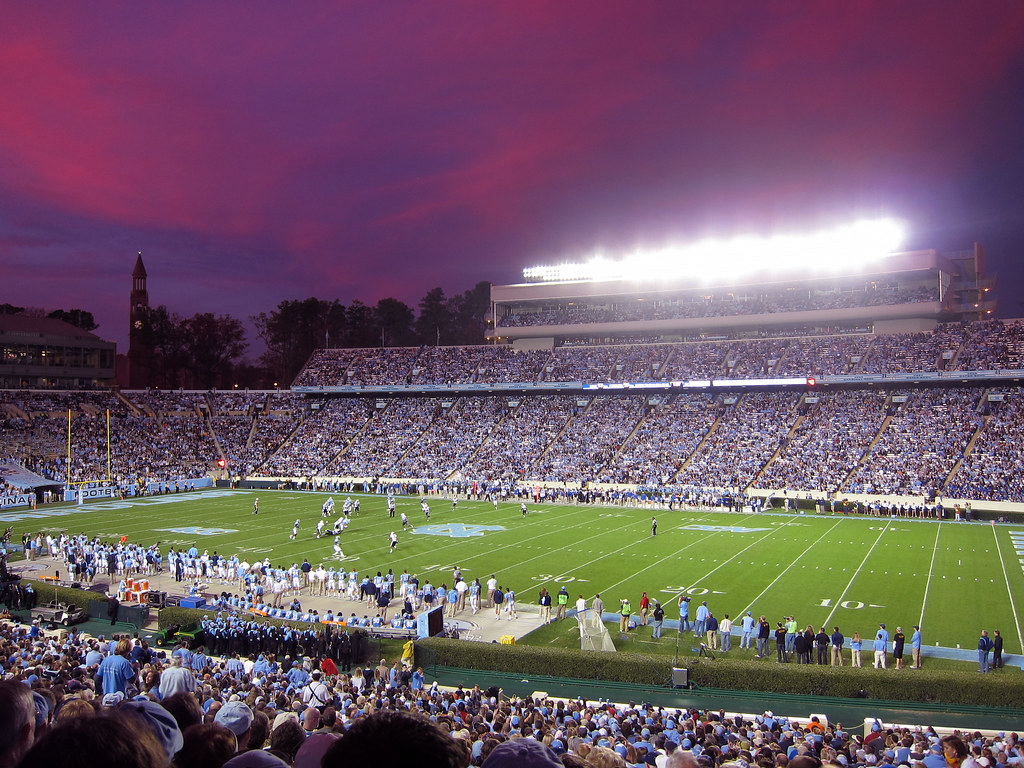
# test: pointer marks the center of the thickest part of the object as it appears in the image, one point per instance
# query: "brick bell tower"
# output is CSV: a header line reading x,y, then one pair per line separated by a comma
x,y
138,337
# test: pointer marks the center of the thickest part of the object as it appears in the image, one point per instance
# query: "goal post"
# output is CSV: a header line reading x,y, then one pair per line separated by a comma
x,y
98,487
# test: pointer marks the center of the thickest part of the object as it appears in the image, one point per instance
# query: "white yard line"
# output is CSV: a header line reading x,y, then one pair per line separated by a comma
x,y
1009,591
556,577
785,570
931,570
544,534
676,554
853,578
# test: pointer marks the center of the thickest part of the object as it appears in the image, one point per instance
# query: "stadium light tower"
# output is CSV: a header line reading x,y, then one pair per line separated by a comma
x,y
848,248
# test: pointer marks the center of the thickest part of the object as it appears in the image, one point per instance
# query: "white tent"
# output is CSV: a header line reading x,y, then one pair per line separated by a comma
x,y
593,633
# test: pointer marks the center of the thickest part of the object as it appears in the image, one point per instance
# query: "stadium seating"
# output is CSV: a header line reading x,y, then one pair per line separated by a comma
x,y
865,441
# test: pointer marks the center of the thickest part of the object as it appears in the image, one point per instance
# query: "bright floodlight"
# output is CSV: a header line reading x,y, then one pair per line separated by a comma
x,y
843,249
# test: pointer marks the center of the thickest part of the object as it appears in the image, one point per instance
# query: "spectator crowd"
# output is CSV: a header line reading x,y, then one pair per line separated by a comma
x,y
72,700
961,442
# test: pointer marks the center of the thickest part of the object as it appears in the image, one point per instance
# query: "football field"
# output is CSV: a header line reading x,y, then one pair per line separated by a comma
x,y
953,579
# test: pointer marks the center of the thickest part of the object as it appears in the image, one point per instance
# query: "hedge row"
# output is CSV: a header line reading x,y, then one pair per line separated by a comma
x,y
530,660
45,590
182,617
167,617
950,687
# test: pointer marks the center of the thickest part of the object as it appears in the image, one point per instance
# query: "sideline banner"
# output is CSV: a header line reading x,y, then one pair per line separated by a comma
x,y
14,474
16,500
90,491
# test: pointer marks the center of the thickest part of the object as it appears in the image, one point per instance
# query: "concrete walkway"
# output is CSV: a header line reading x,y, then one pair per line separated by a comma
x,y
482,626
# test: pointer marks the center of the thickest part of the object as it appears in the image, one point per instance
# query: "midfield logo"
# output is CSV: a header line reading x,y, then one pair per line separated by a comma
x,y
456,530
199,531
722,528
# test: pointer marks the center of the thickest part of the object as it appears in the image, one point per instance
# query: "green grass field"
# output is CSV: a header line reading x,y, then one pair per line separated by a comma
x,y
953,579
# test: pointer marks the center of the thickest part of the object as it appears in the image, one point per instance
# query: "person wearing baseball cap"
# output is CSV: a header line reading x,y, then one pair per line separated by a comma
x,y
161,722
237,718
522,753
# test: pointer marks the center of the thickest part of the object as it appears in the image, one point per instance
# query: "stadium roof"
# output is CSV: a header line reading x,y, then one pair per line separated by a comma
x,y
23,324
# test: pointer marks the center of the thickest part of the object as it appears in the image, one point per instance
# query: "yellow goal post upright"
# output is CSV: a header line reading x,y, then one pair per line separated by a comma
x,y
74,486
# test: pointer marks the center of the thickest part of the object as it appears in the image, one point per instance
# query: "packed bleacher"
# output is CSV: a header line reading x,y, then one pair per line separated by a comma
x,y
847,441
830,437
989,345
725,304
956,442
164,436
68,699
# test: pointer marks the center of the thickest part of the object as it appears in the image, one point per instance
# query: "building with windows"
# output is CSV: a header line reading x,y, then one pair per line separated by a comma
x,y
44,353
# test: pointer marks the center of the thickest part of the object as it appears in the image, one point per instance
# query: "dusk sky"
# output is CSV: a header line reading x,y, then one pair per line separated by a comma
x,y
256,152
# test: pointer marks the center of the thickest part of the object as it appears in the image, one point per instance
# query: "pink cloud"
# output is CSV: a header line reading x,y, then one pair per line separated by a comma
x,y
467,139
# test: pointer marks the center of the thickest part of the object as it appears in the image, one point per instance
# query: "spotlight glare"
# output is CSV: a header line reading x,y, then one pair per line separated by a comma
x,y
842,249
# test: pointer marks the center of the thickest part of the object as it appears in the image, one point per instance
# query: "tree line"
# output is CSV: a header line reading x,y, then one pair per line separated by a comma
x,y
208,350
293,330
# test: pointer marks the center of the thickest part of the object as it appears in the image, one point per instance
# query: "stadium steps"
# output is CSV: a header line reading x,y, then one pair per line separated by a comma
x,y
144,409
778,450
253,420
472,456
867,452
16,412
865,355
284,442
704,440
336,457
668,360
565,427
968,449
208,421
133,409
412,446
622,446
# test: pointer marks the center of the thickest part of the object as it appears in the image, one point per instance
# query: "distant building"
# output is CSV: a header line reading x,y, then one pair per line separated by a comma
x,y
907,292
43,353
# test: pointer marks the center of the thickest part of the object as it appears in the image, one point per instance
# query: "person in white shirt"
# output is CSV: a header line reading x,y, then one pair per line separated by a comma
x,y
316,693
725,634
461,588
176,679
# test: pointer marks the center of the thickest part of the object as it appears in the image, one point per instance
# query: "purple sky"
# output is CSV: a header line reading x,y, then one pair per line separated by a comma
x,y
262,151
